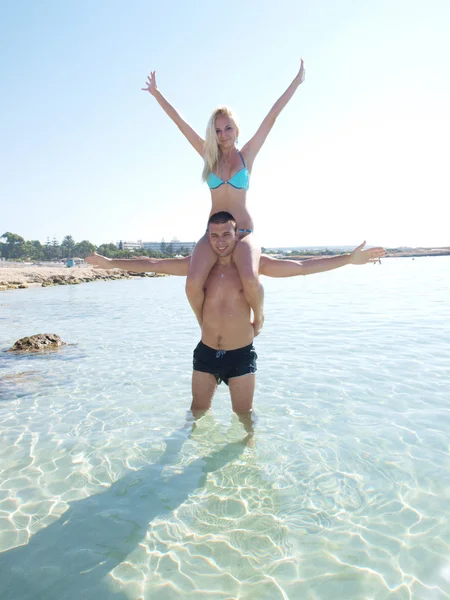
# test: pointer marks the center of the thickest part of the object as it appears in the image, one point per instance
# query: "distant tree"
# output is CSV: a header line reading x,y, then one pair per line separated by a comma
x,y
34,250
56,249
67,246
127,253
83,249
38,252
3,246
169,249
109,250
48,250
123,254
15,245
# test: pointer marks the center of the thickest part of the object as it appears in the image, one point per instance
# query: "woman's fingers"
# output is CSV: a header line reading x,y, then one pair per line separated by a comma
x,y
150,83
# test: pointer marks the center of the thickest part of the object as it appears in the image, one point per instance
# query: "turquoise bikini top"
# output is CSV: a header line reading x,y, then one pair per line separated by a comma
x,y
240,180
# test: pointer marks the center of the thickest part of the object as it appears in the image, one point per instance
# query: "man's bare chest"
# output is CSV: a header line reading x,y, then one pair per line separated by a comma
x,y
223,283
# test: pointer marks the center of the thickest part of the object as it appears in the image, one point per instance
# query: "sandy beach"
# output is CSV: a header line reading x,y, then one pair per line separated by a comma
x,y
16,276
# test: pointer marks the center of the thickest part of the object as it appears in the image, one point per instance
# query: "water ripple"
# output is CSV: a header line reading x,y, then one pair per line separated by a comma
x,y
108,491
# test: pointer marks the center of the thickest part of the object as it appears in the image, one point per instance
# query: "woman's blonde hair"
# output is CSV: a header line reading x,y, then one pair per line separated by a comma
x,y
212,150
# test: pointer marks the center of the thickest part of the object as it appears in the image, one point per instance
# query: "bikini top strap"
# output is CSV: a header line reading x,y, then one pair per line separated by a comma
x,y
242,158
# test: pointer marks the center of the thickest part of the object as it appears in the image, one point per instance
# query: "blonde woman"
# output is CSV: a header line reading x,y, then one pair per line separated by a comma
x,y
227,171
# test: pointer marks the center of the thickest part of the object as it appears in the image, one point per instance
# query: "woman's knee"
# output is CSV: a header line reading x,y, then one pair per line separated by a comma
x,y
247,257
195,282
251,282
250,279
202,261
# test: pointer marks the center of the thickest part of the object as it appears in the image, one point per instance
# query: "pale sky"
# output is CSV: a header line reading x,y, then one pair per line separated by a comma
x,y
360,152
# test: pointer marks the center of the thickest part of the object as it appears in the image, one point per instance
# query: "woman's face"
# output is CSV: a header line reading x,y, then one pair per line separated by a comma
x,y
226,132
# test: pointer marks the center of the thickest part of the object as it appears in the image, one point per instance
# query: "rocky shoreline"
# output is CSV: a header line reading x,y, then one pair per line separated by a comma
x,y
13,278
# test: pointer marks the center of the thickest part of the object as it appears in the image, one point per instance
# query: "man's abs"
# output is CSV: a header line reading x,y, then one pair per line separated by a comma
x,y
226,332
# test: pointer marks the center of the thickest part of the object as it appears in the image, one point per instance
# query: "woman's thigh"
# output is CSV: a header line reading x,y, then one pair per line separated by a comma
x,y
246,255
202,260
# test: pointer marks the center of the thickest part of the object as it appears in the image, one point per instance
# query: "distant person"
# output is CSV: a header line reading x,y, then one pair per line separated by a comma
x,y
226,171
226,352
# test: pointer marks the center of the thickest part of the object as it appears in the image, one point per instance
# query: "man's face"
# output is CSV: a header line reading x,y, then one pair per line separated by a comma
x,y
222,238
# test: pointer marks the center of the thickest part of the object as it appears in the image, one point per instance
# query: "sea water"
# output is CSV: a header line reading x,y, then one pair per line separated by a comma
x,y
109,489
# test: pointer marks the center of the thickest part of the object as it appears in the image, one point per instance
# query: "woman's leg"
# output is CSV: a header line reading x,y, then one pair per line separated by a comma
x,y
202,261
246,256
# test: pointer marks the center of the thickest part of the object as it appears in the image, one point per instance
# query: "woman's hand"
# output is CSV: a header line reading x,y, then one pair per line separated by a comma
x,y
301,74
151,84
192,137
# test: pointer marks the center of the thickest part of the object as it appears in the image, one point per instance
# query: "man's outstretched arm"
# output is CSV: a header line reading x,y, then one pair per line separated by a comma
x,y
273,267
168,266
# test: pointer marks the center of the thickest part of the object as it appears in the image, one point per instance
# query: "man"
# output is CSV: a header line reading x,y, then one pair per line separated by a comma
x,y
226,352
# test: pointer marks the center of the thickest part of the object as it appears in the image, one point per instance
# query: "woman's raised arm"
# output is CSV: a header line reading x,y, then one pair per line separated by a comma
x,y
253,146
192,136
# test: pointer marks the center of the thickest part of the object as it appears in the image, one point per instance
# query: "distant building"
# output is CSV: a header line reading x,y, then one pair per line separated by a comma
x,y
123,245
156,246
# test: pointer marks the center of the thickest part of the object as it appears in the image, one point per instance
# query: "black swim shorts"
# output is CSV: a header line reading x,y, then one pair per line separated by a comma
x,y
225,364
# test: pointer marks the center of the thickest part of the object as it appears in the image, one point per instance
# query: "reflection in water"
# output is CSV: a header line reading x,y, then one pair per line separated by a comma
x,y
97,533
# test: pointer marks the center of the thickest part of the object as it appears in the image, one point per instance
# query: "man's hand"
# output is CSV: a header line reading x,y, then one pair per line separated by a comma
x,y
362,257
97,260
258,325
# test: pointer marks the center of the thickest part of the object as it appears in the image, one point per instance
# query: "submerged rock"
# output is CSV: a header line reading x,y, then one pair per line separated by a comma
x,y
36,343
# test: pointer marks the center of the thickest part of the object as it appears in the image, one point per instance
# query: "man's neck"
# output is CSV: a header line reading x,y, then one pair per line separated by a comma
x,y
225,261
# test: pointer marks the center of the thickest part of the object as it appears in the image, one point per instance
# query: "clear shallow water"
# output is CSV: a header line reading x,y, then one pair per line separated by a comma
x,y
107,491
